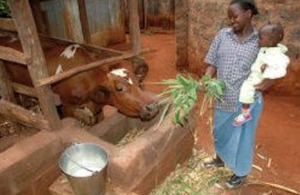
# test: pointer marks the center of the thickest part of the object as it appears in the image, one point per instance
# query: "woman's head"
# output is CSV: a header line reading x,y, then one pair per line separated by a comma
x,y
240,13
270,35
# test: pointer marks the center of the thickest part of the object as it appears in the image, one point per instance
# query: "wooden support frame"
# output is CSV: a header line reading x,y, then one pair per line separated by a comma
x,y
23,116
74,71
30,91
91,47
134,26
7,24
12,55
72,20
23,19
84,21
146,5
33,56
6,85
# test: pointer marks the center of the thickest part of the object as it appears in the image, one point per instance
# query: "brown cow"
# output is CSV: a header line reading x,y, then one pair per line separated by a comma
x,y
84,94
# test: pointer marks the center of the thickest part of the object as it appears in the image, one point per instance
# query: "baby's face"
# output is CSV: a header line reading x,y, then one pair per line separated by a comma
x,y
265,38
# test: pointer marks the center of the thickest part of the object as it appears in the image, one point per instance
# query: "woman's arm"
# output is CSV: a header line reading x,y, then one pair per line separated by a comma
x,y
210,70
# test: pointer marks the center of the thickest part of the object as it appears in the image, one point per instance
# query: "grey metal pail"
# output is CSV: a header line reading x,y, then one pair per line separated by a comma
x,y
84,164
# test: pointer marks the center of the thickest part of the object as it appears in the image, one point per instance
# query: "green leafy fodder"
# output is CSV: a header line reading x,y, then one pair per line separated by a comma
x,y
184,94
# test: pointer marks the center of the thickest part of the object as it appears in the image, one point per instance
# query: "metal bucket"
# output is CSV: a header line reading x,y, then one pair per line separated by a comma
x,y
85,167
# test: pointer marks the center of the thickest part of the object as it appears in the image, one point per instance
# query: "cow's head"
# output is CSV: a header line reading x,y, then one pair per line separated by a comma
x,y
127,97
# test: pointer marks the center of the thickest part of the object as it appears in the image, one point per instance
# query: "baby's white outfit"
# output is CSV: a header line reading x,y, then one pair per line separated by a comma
x,y
276,61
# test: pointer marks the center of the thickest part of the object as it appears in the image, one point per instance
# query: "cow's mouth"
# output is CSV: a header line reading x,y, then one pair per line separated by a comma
x,y
149,112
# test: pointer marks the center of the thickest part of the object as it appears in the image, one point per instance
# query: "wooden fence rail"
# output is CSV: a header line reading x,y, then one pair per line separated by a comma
x,y
12,55
23,116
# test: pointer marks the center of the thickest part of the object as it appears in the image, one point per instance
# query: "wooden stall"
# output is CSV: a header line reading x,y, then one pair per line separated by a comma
x,y
33,57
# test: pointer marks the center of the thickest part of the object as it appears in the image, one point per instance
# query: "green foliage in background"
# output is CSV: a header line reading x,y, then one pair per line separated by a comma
x,y
184,94
4,9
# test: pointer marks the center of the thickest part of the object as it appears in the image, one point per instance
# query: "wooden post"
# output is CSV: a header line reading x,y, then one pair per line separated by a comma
x,y
39,17
7,92
145,13
21,115
134,26
31,45
84,21
6,85
181,33
72,20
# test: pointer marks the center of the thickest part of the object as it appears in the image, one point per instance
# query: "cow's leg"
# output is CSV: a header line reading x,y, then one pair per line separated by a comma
x,y
86,112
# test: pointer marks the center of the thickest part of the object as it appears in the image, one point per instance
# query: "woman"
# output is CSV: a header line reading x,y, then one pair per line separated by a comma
x,y
231,55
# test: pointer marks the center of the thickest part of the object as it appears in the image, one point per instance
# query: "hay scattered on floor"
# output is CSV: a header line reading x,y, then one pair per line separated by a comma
x,y
192,178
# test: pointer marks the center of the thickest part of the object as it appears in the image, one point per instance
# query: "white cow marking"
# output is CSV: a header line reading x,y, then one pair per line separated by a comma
x,y
59,69
122,72
70,51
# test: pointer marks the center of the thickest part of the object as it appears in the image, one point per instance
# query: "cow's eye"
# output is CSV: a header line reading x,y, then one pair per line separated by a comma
x,y
119,87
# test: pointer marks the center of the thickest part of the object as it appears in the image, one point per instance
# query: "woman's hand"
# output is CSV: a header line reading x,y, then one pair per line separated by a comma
x,y
210,70
265,84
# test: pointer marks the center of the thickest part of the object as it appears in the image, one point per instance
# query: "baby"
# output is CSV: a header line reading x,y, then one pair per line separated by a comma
x,y
271,63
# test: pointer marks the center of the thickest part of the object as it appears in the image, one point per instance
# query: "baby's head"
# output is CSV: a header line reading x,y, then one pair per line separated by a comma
x,y
270,35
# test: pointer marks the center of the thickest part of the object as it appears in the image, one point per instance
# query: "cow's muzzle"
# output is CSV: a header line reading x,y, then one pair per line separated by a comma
x,y
149,111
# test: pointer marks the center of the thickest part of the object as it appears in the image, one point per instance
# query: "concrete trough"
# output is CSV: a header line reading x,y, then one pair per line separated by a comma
x,y
31,166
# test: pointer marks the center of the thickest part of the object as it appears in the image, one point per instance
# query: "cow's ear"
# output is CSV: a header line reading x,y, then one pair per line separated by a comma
x,y
100,95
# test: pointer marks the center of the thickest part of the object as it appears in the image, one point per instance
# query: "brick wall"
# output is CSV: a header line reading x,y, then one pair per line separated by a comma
x,y
206,17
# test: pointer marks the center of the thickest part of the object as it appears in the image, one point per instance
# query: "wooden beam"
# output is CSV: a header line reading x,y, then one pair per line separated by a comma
x,y
95,48
72,20
12,55
31,45
84,21
134,26
6,85
146,5
30,91
181,33
21,115
74,71
7,24
7,92
39,17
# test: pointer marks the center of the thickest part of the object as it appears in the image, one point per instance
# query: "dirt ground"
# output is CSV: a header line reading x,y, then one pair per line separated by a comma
x,y
277,152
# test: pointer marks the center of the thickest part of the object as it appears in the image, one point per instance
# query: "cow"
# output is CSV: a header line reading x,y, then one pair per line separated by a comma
x,y
84,95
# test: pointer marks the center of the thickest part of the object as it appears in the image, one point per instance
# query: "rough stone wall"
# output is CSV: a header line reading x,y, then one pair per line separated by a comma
x,y
206,17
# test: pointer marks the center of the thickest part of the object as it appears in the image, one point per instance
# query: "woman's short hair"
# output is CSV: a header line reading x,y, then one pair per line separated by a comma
x,y
247,5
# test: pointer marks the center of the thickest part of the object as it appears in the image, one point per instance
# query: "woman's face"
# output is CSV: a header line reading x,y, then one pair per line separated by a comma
x,y
238,17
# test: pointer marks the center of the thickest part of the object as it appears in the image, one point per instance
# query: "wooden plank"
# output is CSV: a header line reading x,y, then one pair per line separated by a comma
x,y
21,115
30,91
31,45
13,55
84,21
39,17
145,13
74,71
72,20
95,48
6,87
181,33
134,26
7,24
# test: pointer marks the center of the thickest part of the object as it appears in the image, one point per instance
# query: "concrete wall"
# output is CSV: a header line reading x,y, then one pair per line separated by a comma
x,y
206,17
